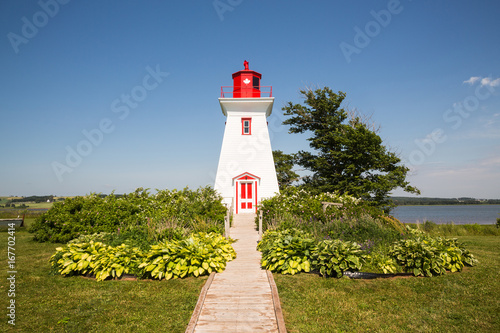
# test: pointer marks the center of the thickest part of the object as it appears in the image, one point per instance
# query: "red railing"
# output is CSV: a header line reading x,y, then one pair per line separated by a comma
x,y
265,91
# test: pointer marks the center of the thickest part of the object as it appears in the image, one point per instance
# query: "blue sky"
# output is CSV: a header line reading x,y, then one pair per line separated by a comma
x,y
101,96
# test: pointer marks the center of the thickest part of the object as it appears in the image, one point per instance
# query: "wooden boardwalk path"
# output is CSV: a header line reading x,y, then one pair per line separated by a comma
x,y
244,297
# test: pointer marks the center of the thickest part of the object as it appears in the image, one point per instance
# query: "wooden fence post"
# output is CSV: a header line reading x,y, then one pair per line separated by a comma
x,y
227,222
260,224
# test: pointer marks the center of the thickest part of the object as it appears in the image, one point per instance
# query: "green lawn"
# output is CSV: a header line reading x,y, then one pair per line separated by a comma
x,y
457,302
52,303
39,205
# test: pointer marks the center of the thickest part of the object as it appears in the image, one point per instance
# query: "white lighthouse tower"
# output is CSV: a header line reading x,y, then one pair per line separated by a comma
x,y
246,172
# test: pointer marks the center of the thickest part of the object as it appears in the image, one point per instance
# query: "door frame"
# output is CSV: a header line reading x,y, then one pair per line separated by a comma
x,y
246,177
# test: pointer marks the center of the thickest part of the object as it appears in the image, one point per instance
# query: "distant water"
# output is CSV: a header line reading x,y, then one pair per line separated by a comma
x,y
458,214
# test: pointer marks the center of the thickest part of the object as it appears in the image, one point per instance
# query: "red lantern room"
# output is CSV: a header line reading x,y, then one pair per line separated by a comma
x,y
246,83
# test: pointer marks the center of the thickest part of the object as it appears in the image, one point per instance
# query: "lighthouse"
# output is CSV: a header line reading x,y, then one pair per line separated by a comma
x,y
246,172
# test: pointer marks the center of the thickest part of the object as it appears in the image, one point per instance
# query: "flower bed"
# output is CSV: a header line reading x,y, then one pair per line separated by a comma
x,y
301,236
197,255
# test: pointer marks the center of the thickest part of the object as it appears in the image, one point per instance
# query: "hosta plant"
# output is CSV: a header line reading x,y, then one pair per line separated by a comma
x,y
454,255
383,262
96,258
333,257
418,257
286,252
199,254
112,262
76,258
426,256
467,257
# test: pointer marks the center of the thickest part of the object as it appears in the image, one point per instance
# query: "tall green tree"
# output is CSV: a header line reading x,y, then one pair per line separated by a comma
x,y
284,164
348,155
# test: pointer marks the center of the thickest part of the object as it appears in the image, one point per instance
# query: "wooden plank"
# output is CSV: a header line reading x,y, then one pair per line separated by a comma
x,y
277,304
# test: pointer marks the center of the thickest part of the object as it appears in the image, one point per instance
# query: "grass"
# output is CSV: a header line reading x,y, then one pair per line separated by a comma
x,y
457,302
38,205
52,303
453,230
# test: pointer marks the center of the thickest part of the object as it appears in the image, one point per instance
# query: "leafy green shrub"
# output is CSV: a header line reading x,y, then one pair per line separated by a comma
x,y
200,254
76,258
393,223
456,254
355,220
333,257
134,236
364,229
96,258
184,206
80,215
418,257
138,212
431,256
415,232
287,251
382,262
114,261
102,237
429,226
165,228
308,207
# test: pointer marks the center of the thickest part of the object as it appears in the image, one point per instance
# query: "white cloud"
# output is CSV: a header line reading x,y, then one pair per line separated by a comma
x,y
485,81
472,80
489,82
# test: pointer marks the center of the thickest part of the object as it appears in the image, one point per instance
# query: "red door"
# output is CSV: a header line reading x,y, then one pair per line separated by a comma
x,y
246,186
246,197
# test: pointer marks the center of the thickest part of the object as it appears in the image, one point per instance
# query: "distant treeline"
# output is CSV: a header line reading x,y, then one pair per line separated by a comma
x,y
401,201
34,198
47,198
